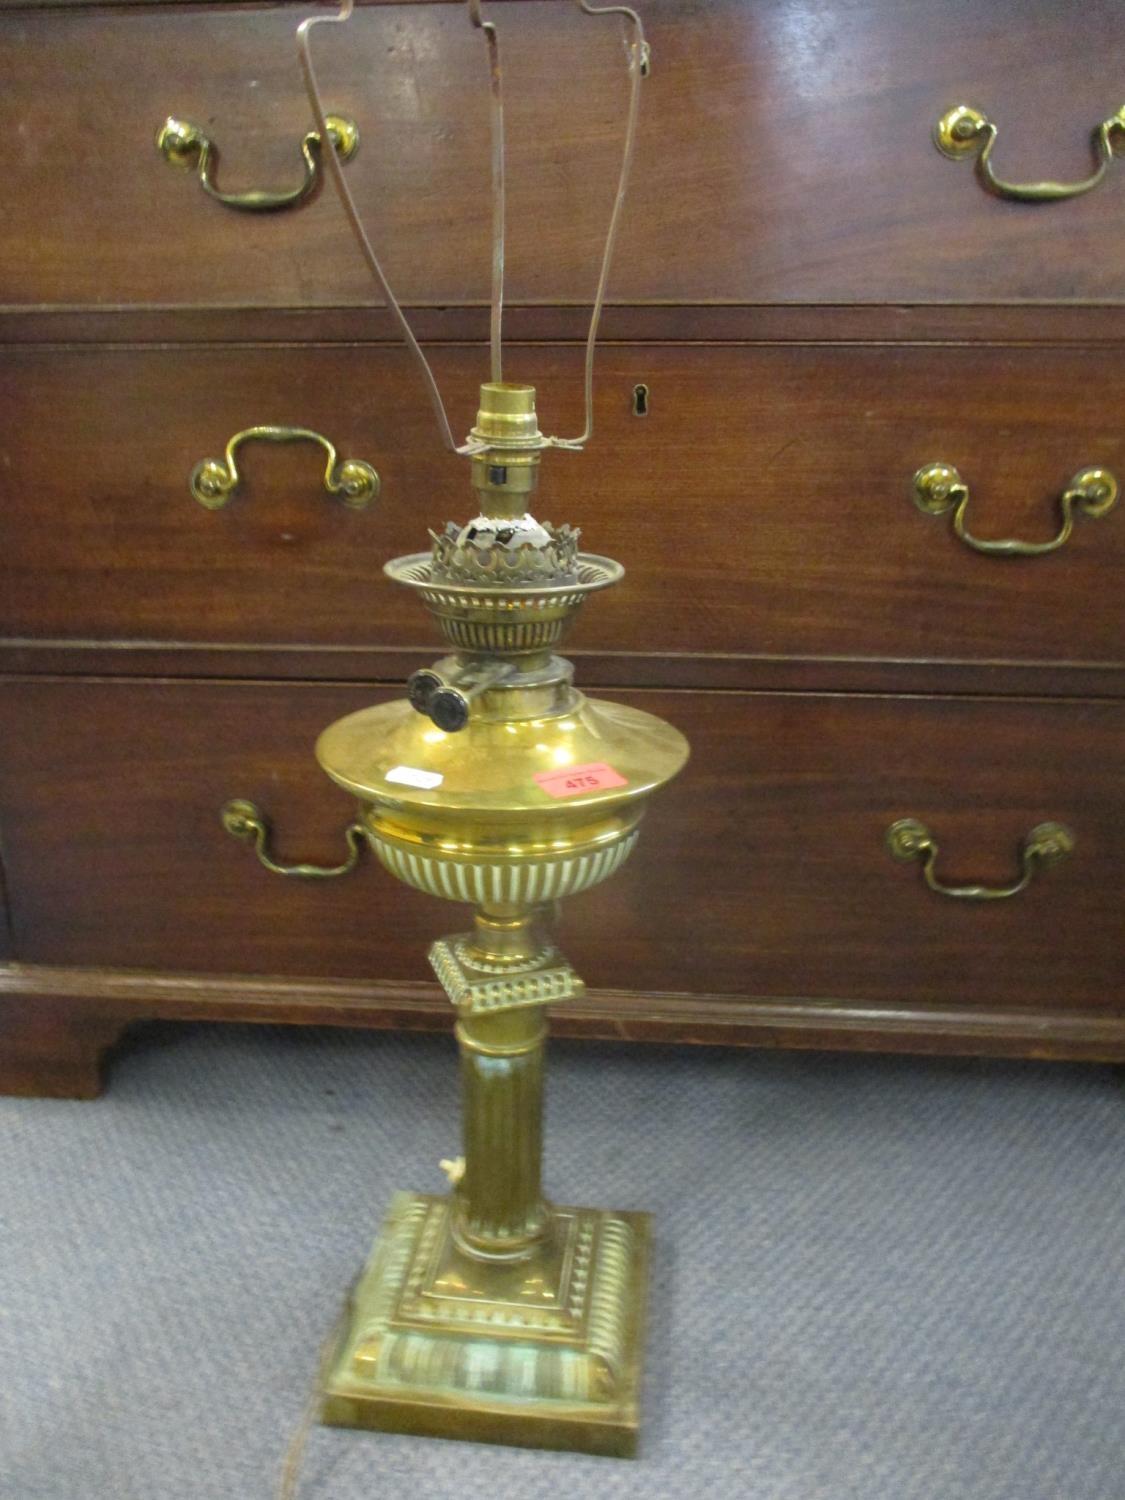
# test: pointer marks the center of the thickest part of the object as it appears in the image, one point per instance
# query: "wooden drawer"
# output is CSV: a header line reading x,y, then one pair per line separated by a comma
x,y
762,872
772,484
785,153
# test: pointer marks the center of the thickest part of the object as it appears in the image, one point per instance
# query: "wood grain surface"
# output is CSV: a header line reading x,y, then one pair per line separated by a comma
x,y
785,153
762,508
762,871
1036,324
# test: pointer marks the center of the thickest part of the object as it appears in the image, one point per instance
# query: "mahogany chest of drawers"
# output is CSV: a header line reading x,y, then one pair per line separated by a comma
x,y
810,305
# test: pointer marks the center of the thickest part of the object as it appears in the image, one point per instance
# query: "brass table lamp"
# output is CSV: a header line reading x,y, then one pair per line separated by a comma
x,y
490,1313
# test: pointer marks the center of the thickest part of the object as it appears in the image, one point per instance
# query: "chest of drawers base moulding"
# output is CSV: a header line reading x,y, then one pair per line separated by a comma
x,y
59,1027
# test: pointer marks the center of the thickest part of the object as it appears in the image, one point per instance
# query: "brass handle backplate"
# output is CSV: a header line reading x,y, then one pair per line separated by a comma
x,y
214,480
244,820
1045,845
184,145
939,488
965,132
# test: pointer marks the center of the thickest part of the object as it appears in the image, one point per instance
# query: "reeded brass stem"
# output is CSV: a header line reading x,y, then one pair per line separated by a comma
x,y
501,1211
500,1208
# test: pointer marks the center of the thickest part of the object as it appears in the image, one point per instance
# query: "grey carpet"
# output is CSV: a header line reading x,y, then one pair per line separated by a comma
x,y
875,1279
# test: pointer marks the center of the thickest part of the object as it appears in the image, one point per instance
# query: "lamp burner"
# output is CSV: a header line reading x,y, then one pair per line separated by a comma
x,y
500,612
513,551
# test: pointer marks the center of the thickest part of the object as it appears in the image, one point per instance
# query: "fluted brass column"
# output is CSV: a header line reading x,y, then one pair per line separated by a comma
x,y
500,1207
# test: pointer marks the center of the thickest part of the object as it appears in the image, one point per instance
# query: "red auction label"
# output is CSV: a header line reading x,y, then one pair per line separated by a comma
x,y
571,782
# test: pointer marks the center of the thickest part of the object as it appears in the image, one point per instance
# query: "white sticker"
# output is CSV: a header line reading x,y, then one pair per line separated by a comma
x,y
411,776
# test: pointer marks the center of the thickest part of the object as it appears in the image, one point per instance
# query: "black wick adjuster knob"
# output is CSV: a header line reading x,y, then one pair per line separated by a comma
x,y
446,701
421,686
449,709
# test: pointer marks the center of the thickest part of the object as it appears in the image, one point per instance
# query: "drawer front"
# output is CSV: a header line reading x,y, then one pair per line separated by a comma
x,y
763,507
762,870
785,153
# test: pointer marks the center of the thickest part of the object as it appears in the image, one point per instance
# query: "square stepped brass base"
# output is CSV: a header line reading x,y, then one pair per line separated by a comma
x,y
541,1353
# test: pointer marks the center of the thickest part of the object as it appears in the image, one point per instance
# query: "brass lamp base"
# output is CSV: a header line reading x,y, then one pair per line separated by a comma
x,y
491,1314
541,1352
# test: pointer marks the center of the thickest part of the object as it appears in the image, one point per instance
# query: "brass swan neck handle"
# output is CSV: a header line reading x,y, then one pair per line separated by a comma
x,y
965,132
185,145
939,488
352,480
1046,844
245,820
